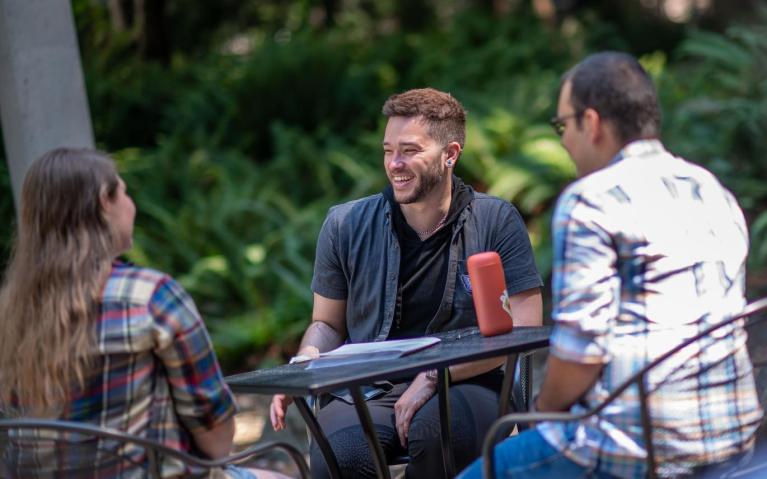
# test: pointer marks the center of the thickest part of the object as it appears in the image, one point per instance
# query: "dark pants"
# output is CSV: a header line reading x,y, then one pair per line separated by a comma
x,y
473,408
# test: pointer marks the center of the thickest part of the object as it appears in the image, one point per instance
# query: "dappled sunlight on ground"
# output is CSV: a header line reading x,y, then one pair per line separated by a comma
x,y
253,426
250,427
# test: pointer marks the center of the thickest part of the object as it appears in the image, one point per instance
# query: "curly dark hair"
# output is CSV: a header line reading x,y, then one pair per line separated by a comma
x,y
615,85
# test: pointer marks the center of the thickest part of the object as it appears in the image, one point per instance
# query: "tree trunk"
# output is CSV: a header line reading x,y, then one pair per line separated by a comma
x,y
151,31
120,14
414,15
331,9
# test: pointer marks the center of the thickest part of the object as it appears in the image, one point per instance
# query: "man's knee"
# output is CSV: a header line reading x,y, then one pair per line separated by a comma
x,y
473,409
424,435
352,454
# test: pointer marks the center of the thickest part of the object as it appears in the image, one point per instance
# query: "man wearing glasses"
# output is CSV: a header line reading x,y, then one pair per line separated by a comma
x,y
648,250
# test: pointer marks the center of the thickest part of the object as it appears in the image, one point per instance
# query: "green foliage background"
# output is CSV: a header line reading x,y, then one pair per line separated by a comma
x,y
234,154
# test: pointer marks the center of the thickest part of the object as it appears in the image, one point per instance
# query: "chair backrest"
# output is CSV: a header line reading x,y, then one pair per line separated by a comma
x,y
43,448
751,313
522,383
757,349
640,377
38,448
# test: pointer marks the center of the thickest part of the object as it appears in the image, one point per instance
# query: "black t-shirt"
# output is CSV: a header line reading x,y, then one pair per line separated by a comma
x,y
423,273
423,266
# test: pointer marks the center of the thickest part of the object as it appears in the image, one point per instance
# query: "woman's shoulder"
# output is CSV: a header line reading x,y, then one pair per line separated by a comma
x,y
134,284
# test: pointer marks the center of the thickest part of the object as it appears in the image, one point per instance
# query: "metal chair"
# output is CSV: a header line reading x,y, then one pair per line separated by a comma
x,y
72,449
515,392
502,426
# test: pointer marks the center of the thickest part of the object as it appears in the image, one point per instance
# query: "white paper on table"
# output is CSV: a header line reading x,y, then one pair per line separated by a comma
x,y
401,346
354,353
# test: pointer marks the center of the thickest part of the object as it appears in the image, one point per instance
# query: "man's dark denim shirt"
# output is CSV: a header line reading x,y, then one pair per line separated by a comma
x,y
358,260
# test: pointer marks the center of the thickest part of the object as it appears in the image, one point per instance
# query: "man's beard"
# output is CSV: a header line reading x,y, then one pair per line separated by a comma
x,y
426,183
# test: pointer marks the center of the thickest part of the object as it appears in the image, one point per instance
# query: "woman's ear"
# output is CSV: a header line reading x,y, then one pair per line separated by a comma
x,y
105,201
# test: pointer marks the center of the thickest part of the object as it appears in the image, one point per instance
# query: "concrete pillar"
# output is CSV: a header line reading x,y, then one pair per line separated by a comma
x,y
43,103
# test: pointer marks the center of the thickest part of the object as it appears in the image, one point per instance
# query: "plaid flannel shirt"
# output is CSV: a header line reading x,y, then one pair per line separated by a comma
x,y
155,376
647,252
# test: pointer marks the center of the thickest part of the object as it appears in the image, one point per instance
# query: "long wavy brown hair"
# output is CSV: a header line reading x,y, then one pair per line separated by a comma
x,y
51,290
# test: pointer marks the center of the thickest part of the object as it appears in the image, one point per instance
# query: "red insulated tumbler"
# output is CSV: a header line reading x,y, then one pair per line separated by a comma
x,y
487,287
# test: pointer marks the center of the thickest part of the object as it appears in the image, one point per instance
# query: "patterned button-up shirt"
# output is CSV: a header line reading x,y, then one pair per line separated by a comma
x,y
155,375
647,252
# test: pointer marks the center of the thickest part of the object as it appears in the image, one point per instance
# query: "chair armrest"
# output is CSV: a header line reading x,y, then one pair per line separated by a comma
x,y
517,383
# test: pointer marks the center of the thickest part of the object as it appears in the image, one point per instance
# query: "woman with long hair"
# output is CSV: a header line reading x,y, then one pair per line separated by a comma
x,y
86,337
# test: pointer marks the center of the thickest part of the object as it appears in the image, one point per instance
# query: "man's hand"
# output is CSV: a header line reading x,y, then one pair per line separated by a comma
x,y
278,409
326,331
280,402
414,397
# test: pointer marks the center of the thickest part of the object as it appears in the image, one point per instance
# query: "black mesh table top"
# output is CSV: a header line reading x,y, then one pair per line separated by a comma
x,y
455,347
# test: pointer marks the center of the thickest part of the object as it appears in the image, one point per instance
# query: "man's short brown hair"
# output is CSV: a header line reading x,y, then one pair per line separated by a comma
x,y
443,114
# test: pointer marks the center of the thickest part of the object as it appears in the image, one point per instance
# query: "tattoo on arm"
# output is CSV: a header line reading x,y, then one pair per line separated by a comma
x,y
322,336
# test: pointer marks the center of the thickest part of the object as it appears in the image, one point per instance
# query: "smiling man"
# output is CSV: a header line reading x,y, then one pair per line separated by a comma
x,y
393,265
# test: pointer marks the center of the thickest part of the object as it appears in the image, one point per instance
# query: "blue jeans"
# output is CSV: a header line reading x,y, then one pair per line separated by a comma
x,y
528,455
234,472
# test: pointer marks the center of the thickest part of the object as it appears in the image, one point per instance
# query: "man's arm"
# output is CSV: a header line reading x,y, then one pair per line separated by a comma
x,y
328,328
327,331
527,310
585,295
565,383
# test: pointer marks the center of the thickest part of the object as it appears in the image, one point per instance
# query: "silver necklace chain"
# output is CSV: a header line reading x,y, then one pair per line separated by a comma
x,y
426,233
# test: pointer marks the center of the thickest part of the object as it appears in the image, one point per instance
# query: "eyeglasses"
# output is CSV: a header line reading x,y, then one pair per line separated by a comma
x,y
558,122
